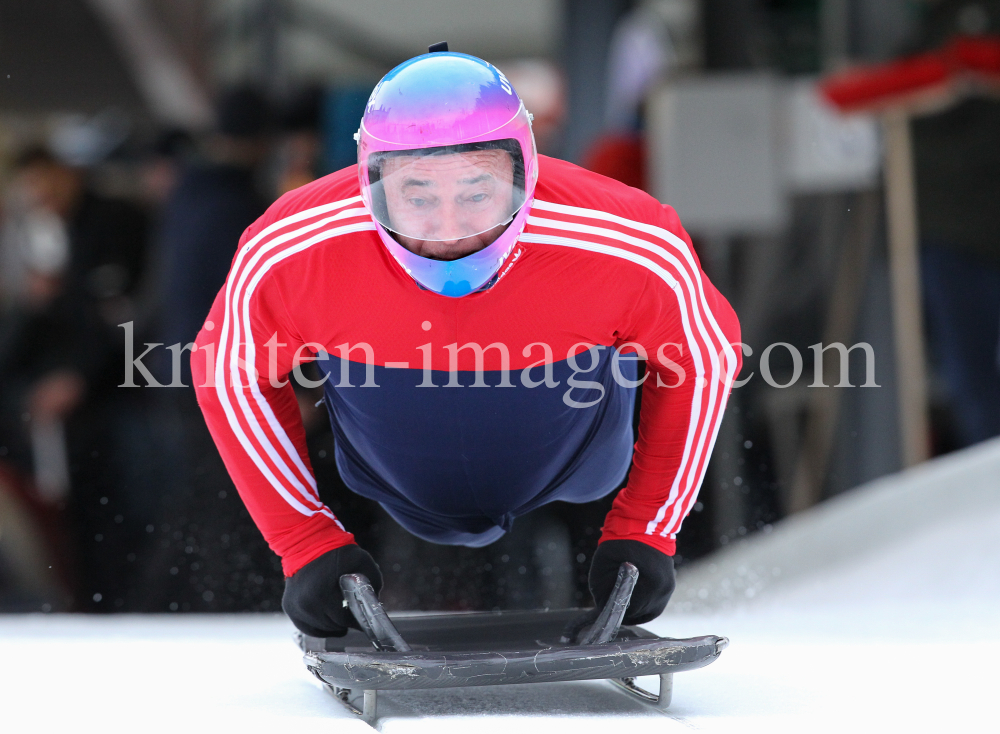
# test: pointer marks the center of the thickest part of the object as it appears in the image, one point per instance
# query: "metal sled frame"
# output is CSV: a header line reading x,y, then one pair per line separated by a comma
x,y
486,649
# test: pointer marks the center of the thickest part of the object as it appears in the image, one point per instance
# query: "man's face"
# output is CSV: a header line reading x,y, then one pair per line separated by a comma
x,y
451,205
52,186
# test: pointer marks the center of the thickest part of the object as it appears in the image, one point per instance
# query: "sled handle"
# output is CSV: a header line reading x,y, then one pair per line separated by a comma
x,y
360,597
609,620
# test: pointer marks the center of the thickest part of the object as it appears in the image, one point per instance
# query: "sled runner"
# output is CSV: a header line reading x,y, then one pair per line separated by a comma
x,y
414,651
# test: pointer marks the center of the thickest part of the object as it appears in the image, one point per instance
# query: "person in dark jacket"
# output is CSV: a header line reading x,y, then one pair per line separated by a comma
x,y
957,161
216,198
209,546
63,419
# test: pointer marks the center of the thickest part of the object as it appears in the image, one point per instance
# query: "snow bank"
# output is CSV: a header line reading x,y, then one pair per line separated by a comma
x,y
930,533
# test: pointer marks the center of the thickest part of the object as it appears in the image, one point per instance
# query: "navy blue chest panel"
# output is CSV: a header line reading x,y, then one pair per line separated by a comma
x,y
475,457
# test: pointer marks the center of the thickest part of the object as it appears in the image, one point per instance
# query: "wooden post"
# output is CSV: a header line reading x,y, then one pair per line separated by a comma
x,y
904,271
841,322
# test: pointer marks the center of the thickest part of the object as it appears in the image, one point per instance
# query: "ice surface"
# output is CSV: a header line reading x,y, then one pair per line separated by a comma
x,y
810,669
158,674
904,637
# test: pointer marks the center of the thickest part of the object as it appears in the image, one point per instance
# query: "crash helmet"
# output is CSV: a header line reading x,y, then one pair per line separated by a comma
x,y
447,112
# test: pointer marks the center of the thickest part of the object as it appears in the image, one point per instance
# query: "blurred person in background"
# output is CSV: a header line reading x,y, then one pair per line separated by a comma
x,y
542,88
209,556
641,54
957,162
218,194
72,260
163,164
299,146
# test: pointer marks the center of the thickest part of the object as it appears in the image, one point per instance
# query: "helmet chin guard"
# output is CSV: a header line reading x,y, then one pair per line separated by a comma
x,y
446,153
465,275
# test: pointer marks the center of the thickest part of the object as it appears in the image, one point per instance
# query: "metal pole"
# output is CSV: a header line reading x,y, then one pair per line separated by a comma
x,y
841,323
835,26
904,271
174,94
272,70
587,29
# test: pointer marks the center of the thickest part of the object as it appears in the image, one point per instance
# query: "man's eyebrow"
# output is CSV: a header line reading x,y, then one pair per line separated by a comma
x,y
415,182
476,179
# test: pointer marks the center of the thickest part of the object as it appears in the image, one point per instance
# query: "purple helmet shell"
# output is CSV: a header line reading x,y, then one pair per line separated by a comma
x,y
447,103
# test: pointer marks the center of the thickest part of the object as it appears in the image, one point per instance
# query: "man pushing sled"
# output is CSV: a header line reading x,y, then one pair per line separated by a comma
x,y
467,301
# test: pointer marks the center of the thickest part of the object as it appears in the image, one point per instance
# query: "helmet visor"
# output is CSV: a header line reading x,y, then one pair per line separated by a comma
x,y
447,193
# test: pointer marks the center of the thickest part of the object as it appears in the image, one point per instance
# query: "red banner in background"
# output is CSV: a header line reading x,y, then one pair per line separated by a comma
x,y
915,78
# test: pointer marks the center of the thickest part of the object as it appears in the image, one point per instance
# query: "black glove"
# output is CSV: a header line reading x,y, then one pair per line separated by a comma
x,y
652,590
313,599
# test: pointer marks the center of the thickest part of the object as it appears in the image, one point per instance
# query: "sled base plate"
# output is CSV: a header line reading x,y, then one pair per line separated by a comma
x,y
498,648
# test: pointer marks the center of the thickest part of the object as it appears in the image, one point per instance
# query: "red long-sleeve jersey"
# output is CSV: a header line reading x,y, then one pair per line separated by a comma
x,y
531,402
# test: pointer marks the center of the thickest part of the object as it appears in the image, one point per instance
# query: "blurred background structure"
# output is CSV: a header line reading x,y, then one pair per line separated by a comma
x,y
138,138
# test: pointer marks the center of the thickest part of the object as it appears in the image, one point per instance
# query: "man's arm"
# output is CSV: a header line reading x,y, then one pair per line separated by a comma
x,y
244,354
688,330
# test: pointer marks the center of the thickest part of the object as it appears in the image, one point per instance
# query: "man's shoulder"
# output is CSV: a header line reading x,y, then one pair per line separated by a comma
x,y
561,182
340,188
577,191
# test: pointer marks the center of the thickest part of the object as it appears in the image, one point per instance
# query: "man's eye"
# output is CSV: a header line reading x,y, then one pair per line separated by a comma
x,y
417,202
478,198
